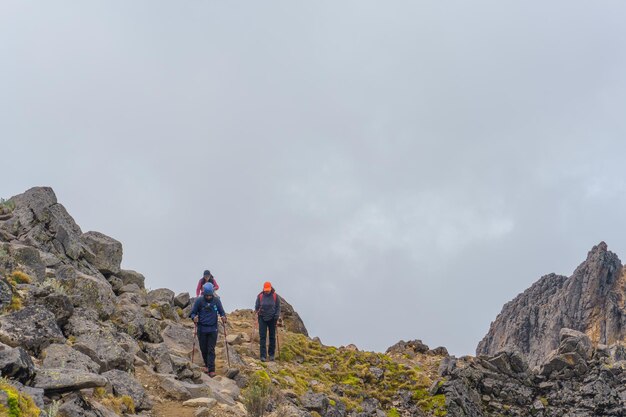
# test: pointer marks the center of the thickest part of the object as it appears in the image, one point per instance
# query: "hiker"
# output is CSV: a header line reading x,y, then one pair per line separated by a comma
x,y
267,308
207,277
204,314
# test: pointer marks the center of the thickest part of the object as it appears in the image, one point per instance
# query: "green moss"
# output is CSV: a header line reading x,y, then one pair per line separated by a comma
x,y
351,380
544,401
393,412
304,360
19,404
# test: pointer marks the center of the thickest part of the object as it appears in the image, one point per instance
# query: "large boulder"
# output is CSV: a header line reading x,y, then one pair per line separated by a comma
x,y
39,221
76,405
87,291
64,356
103,347
33,328
65,380
103,252
573,341
129,317
123,383
28,259
161,295
15,363
160,357
60,305
178,339
83,321
291,318
182,300
132,277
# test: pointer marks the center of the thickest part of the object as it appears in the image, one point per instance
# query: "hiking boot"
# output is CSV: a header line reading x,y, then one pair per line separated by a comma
x,y
212,374
263,359
271,358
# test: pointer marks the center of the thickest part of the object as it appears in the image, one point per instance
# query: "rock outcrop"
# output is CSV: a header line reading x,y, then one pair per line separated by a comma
x,y
79,336
577,379
591,301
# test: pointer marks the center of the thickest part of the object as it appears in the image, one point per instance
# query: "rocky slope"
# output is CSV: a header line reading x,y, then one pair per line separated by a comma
x,y
81,337
591,301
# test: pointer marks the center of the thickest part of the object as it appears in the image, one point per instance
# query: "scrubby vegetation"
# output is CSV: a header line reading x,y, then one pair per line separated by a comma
x,y
350,376
17,404
258,394
119,405
6,206
14,279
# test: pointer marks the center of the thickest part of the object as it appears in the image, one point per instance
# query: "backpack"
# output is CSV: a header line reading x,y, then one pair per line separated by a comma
x,y
261,297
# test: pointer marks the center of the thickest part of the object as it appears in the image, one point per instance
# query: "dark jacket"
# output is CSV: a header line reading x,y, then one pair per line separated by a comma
x,y
207,313
266,307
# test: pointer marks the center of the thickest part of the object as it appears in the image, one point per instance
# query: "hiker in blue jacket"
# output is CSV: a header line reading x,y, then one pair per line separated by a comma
x,y
267,308
204,314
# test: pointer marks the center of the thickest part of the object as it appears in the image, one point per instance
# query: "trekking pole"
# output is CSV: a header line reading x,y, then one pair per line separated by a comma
x,y
195,334
278,342
226,345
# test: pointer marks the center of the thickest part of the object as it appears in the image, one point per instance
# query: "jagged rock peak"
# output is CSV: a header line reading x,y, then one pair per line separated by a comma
x,y
590,301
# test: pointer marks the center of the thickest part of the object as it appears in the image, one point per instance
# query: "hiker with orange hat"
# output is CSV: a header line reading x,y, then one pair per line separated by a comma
x,y
267,308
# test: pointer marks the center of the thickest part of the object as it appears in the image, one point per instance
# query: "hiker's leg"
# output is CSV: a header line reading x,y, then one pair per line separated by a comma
x,y
272,327
212,340
203,341
262,338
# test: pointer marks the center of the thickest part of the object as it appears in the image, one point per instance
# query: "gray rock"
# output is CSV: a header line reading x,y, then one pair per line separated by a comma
x,y
133,298
291,318
88,292
175,389
572,341
103,252
377,372
132,277
103,347
75,405
182,300
124,384
129,318
64,356
65,380
412,347
116,283
15,363
33,328
160,357
130,288
83,321
532,322
317,402
60,305
6,294
161,295
178,339
41,222
29,260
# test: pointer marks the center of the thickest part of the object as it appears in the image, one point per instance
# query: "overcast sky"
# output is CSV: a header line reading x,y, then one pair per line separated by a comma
x,y
397,169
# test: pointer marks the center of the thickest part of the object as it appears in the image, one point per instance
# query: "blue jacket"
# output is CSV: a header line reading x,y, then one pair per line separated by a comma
x,y
266,307
207,313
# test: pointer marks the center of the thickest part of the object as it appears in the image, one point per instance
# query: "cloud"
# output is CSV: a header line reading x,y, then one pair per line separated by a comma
x,y
398,171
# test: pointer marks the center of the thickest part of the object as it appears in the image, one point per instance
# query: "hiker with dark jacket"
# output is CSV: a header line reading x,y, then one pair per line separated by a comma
x,y
207,277
204,314
267,308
